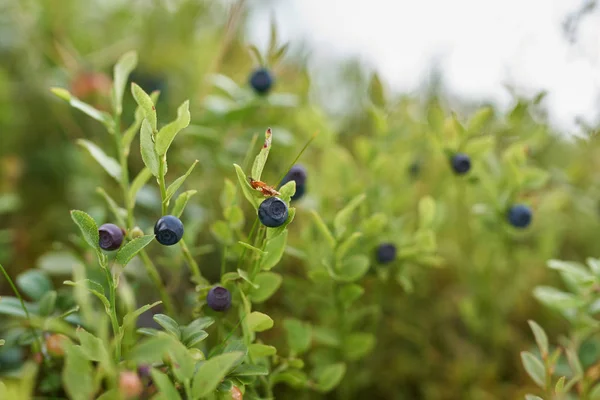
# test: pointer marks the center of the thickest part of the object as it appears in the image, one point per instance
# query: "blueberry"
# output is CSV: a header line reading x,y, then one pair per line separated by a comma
x,y
168,230
111,237
386,252
298,174
461,163
519,216
261,80
273,212
219,298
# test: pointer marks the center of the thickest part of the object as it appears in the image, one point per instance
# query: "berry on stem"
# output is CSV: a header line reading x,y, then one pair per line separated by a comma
x,y
273,212
261,80
168,230
386,253
297,174
219,298
55,344
461,163
519,216
111,237
236,393
130,385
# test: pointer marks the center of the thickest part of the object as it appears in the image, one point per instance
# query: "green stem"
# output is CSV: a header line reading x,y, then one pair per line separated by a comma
x,y
223,261
113,311
193,264
162,185
250,236
18,294
155,277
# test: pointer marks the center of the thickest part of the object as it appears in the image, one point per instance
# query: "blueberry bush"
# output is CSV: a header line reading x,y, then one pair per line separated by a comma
x,y
182,216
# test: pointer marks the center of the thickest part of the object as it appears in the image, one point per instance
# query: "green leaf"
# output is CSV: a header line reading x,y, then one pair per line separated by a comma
x,y
340,223
350,293
178,182
228,194
274,251
560,385
268,283
181,202
47,303
34,283
130,250
540,337
479,120
122,69
347,245
299,335
117,211
149,155
110,165
534,368
94,288
2,342
479,145
250,370
323,229
258,350
594,393
253,196
294,378
256,54
259,322
212,372
252,248
358,345
376,92
165,386
234,216
93,348
198,324
98,115
261,158
330,376
573,270
354,268
168,324
77,374
193,339
274,232
222,232
287,191
151,350
182,358
88,228
574,362
139,181
426,212
134,128
147,106
167,133
130,318
556,299
12,306
532,397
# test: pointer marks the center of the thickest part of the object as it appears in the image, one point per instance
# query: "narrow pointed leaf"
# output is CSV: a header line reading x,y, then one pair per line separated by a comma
x,y
139,182
147,105
122,69
173,187
534,368
110,165
181,202
165,136
87,109
130,250
263,155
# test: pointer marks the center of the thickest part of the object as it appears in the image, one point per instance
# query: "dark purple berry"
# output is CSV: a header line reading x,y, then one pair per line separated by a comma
x,y
168,230
386,253
519,216
261,80
461,163
111,237
273,212
219,298
297,174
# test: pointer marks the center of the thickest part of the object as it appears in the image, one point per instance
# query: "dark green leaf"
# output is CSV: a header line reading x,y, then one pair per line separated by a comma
x,y
47,303
88,228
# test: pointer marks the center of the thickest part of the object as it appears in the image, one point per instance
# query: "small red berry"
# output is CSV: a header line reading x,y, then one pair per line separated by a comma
x,y
55,344
236,393
130,384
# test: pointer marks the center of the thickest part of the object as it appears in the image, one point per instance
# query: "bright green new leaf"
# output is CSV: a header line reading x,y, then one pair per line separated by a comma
x,y
330,376
253,196
168,324
110,165
88,228
349,293
165,387
252,248
287,191
426,212
353,268
258,322
244,275
534,368
181,202
147,105
134,128
77,374
274,251
358,345
167,133
299,335
96,114
268,283
122,69
342,218
212,372
131,249
173,187
149,155
261,158
258,350
34,283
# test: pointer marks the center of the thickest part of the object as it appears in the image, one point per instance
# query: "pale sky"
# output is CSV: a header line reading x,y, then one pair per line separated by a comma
x,y
482,45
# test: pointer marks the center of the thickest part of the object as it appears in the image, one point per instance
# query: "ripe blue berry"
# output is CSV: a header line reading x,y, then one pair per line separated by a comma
x,y
261,81
111,237
273,212
297,174
519,216
461,163
386,252
219,298
168,230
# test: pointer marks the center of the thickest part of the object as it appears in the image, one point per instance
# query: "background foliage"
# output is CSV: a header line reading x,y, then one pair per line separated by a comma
x,y
446,320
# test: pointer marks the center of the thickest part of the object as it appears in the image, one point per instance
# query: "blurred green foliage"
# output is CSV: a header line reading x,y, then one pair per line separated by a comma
x,y
449,315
